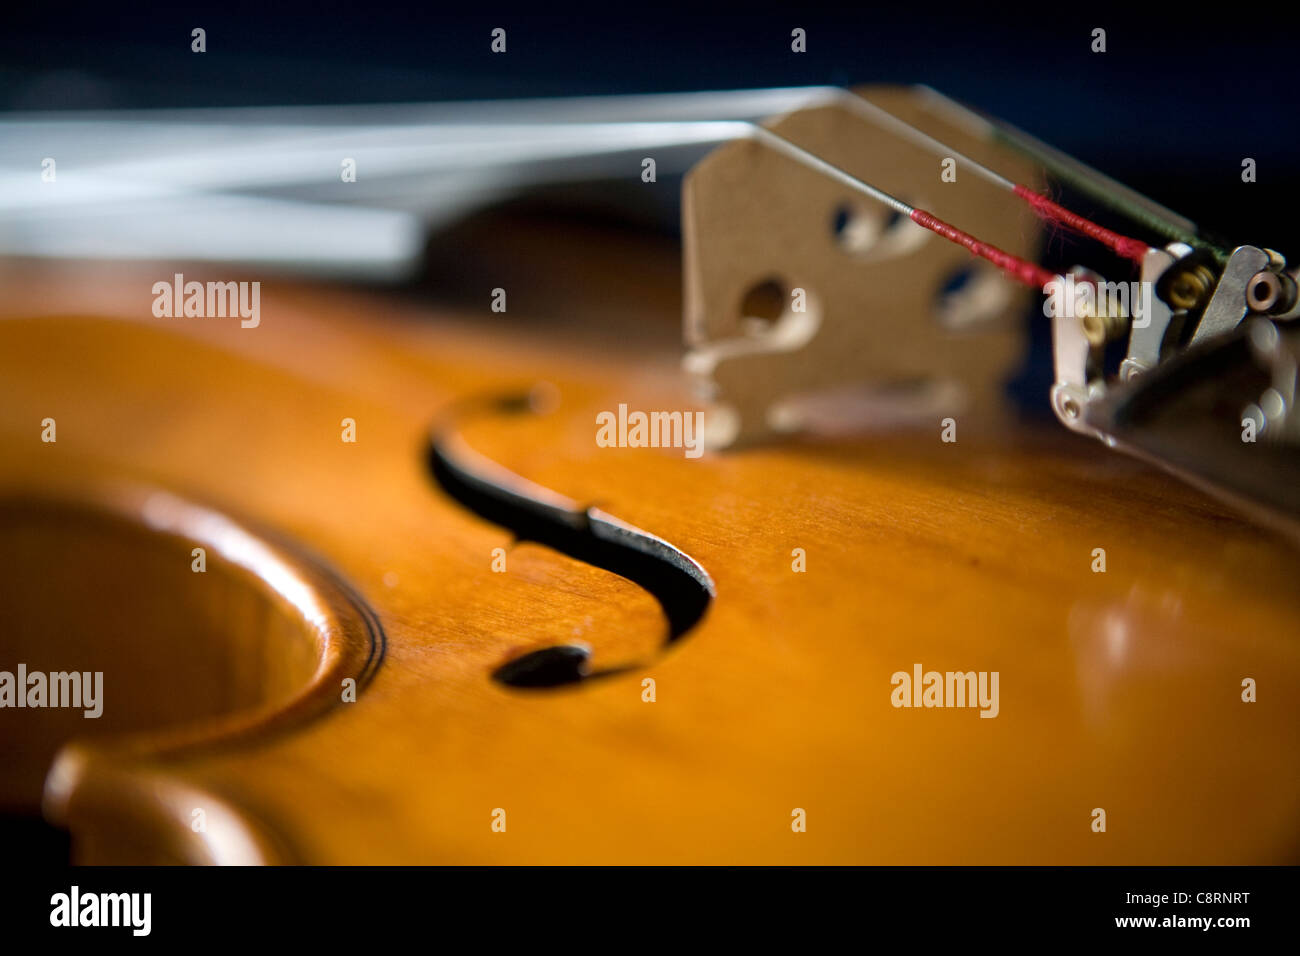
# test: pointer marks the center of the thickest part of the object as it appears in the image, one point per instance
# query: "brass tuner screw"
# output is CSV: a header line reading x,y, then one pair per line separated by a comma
x,y
1190,287
1100,328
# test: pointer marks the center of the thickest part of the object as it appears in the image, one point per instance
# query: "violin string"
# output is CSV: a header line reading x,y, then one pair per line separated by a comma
x,y
1134,250
1124,246
1021,270
1102,189
698,131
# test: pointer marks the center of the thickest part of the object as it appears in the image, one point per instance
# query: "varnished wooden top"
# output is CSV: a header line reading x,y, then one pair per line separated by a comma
x,y
1119,690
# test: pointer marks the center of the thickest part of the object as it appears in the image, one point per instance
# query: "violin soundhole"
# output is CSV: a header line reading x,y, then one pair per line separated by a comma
x,y
682,588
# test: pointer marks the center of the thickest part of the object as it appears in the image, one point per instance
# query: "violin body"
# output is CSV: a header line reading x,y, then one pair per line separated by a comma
x,y
772,730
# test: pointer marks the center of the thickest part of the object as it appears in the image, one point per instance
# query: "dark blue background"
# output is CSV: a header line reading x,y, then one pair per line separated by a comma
x,y
1181,96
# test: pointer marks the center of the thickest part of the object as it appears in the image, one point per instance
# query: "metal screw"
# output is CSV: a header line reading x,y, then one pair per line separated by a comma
x,y
1190,287
1270,292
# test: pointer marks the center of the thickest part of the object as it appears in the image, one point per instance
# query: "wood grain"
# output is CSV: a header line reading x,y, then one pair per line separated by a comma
x,y
1118,690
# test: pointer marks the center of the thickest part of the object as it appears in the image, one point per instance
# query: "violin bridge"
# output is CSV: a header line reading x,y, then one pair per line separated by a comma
x,y
809,307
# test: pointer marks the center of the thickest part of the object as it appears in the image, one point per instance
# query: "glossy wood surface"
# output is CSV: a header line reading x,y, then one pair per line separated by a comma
x,y
1119,690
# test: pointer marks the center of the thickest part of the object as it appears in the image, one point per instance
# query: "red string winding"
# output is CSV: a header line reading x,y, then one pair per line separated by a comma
x,y
1019,269
1134,249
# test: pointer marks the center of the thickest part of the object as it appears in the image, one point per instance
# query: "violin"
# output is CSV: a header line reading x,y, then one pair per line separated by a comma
x,y
416,534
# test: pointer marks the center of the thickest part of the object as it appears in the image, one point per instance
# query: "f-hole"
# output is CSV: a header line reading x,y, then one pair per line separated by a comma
x,y
677,582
